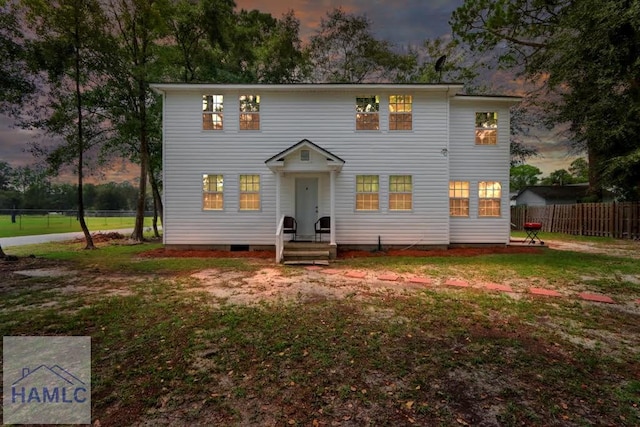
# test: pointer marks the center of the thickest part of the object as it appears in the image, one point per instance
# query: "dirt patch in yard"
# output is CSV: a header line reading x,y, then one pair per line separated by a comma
x,y
620,248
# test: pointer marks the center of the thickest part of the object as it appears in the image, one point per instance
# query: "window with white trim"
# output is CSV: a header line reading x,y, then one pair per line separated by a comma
x,y
249,112
458,198
367,192
400,112
487,128
212,106
400,193
249,192
368,113
212,192
489,195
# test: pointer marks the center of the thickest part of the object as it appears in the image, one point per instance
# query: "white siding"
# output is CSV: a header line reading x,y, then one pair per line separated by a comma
x,y
327,118
476,163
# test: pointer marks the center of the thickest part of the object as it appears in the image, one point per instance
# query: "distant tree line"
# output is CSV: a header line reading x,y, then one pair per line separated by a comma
x,y
524,175
26,188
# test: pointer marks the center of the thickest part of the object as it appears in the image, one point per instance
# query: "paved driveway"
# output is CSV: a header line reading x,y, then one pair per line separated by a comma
x,y
6,242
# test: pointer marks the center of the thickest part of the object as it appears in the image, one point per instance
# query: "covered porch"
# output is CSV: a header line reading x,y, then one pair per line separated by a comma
x,y
305,191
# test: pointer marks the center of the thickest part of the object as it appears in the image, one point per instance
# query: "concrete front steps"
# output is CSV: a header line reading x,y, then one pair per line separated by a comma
x,y
306,253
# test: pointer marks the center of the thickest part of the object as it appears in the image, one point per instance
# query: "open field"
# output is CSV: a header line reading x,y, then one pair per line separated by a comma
x,y
29,225
243,342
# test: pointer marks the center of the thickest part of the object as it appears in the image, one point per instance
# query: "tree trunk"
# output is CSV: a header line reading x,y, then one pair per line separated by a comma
x,y
595,189
138,230
83,224
158,208
2,254
154,222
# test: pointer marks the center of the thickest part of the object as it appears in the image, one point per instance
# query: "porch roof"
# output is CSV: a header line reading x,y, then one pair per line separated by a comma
x,y
333,162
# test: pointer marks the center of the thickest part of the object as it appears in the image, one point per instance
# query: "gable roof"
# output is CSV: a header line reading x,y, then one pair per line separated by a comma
x,y
333,162
558,192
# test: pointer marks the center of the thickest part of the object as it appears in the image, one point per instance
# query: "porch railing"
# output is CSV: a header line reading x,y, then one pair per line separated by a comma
x,y
280,240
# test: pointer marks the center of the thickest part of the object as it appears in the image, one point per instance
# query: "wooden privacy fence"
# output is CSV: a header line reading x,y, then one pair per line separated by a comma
x,y
618,220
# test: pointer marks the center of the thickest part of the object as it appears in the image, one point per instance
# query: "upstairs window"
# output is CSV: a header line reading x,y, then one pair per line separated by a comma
x,y
458,198
249,112
368,113
249,192
212,192
212,112
400,112
487,128
400,193
489,194
367,192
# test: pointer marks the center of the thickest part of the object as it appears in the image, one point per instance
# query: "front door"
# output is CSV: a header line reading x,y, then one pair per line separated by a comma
x,y
306,207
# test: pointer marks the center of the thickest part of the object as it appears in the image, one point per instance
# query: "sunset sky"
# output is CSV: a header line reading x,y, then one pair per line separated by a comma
x,y
402,22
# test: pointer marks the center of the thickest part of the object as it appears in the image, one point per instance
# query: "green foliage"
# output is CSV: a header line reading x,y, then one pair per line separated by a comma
x,y
579,170
578,173
214,43
30,187
5,175
587,56
559,177
522,176
455,66
344,50
523,118
15,83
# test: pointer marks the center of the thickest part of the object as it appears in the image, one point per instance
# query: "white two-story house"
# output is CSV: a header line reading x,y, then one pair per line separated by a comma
x,y
396,165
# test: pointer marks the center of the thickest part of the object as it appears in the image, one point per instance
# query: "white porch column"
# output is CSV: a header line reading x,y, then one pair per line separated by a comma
x,y
332,211
278,178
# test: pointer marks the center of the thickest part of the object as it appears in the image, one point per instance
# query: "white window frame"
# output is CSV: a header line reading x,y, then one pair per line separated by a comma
x,y
243,192
213,112
217,191
249,118
364,193
368,113
459,192
486,128
490,199
400,107
403,188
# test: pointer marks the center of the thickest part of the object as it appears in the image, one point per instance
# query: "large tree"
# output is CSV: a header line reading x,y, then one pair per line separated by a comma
x,y
559,177
200,32
522,176
140,30
68,34
586,55
14,81
261,49
280,57
344,50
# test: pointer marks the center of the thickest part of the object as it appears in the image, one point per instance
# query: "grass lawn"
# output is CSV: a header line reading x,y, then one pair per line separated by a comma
x,y
29,225
232,341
